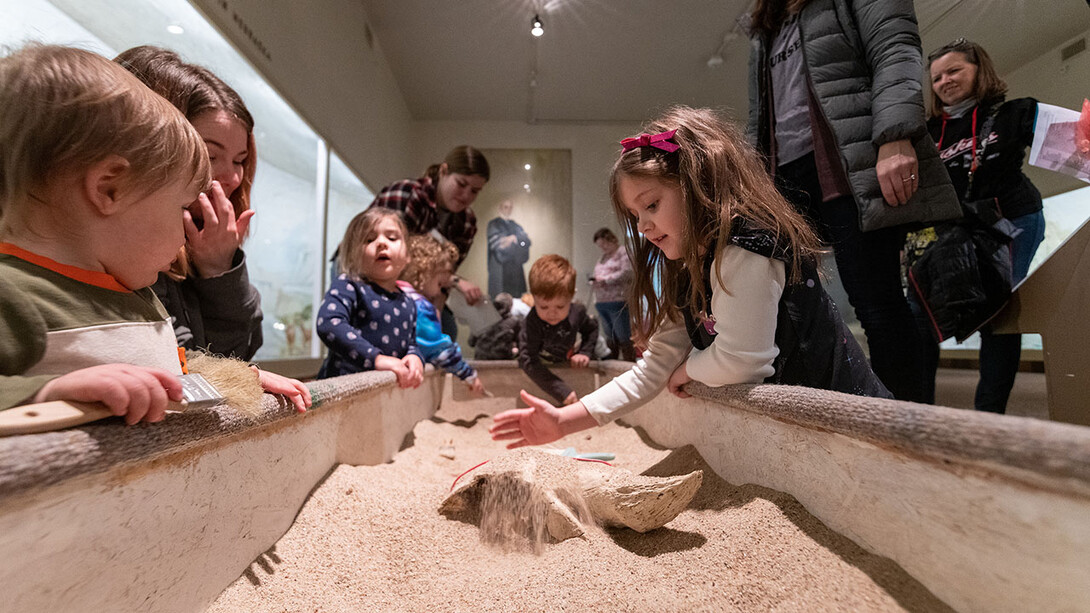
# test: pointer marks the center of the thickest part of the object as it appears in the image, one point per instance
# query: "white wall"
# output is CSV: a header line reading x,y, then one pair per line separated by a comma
x,y
316,56
594,148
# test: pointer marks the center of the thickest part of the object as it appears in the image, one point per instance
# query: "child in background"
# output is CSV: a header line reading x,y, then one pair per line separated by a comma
x,y
431,264
367,322
740,298
500,341
95,172
548,335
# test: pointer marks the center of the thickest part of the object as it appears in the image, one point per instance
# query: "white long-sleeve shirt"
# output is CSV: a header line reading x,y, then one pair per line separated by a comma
x,y
745,313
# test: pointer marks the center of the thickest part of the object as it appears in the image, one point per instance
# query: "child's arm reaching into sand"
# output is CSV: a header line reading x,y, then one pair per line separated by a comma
x,y
540,424
138,393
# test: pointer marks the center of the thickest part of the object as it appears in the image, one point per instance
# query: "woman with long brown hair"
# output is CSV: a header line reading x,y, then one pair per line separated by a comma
x,y
982,139
207,290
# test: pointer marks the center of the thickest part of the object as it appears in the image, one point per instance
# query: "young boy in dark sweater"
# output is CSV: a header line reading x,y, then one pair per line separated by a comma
x,y
550,331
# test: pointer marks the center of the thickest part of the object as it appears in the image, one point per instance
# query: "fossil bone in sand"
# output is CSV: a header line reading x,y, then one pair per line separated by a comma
x,y
534,493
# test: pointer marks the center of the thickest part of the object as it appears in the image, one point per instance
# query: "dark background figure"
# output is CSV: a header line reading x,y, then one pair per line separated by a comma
x,y
965,92
836,106
508,251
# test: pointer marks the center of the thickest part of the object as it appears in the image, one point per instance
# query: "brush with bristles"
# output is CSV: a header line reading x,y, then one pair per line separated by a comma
x,y
211,381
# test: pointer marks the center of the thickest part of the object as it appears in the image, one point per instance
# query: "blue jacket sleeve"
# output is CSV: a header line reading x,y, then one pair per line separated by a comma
x,y
438,348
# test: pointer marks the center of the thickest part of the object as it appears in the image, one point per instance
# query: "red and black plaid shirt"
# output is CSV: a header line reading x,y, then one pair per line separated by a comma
x,y
415,198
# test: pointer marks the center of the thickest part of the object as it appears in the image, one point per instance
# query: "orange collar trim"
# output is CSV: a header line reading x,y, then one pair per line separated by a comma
x,y
90,277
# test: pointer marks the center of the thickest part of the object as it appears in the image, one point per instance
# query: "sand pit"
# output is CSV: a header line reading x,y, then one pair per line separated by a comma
x,y
370,538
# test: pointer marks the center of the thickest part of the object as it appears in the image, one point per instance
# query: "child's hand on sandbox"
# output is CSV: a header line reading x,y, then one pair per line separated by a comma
x,y
679,378
579,361
415,367
296,392
476,386
135,392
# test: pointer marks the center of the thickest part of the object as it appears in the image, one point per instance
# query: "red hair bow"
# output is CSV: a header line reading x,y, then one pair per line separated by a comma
x,y
658,141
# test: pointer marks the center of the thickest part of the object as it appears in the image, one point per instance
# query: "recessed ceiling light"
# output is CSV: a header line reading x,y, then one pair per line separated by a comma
x,y
175,29
527,167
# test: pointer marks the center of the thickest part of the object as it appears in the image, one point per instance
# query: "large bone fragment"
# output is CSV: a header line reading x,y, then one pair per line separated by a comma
x,y
532,491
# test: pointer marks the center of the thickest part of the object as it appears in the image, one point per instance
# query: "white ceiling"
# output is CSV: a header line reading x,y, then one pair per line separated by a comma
x,y
622,60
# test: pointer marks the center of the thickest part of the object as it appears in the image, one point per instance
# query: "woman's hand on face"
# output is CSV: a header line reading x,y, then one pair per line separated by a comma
x,y
212,248
470,290
898,171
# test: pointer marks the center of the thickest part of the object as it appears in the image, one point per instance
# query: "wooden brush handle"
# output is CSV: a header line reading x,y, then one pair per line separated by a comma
x,y
55,415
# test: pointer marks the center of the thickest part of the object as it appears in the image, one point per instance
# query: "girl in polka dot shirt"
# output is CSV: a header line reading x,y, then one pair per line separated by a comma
x,y
365,320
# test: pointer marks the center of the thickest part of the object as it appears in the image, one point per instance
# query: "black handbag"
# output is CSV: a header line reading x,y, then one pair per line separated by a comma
x,y
964,278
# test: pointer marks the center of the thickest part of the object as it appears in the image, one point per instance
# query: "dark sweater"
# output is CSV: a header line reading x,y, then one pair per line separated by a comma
x,y
541,343
1000,174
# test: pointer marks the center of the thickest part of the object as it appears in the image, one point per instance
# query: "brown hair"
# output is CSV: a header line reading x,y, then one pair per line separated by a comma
x,y
769,15
722,179
552,276
64,109
605,233
463,160
194,91
426,258
358,232
988,88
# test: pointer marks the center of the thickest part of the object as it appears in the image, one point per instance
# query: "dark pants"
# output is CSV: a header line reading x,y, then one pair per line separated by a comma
x,y
448,323
869,265
1000,354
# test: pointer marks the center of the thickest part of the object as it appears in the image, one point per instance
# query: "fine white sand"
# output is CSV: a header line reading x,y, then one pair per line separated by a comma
x,y
370,539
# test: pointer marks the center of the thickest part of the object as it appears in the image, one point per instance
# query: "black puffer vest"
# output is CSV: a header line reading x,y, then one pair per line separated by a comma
x,y
816,348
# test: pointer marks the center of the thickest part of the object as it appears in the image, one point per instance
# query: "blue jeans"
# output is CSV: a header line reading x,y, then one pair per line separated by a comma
x,y
615,324
1000,354
869,264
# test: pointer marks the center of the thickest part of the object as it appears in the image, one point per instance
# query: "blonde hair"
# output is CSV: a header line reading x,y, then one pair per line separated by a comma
x,y
426,258
552,276
64,109
722,180
359,230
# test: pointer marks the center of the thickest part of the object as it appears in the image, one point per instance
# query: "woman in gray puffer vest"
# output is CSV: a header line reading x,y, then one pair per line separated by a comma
x,y
836,105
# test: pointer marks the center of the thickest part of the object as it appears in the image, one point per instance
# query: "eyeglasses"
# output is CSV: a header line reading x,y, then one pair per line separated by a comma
x,y
960,44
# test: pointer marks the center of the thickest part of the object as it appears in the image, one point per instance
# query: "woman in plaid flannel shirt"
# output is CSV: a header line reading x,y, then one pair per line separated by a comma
x,y
438,203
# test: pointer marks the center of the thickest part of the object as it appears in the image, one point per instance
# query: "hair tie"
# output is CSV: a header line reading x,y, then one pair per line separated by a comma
x,y
658,141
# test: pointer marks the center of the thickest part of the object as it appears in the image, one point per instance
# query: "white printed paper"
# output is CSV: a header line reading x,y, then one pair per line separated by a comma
x,y
1054,142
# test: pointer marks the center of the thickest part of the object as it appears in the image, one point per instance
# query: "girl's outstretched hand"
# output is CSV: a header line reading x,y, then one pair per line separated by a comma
x,y
295,390
536,425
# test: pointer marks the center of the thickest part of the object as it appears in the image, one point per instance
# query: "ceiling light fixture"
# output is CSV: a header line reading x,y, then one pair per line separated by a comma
x,y
175,29
536,28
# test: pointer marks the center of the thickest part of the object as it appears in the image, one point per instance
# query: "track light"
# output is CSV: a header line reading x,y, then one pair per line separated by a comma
x,y
536,28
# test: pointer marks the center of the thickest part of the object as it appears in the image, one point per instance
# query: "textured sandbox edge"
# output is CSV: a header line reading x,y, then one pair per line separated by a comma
x,y
989,512
165,517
